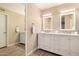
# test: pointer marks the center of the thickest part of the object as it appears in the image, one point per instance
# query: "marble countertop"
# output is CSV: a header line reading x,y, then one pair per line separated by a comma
x,y
73,34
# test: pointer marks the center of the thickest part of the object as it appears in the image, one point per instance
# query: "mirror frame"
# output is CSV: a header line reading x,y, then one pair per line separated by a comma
x,y
43,18
74,19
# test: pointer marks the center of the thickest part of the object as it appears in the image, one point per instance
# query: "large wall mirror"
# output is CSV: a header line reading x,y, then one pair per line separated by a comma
x,y
47,22
67,21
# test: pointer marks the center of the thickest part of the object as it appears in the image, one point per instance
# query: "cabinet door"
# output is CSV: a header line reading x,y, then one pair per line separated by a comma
x,y
56,44
44,41
74,45
52,43
64,45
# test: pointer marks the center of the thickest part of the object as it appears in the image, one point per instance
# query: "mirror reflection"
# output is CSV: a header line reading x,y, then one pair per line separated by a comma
x,y
47,23
67,21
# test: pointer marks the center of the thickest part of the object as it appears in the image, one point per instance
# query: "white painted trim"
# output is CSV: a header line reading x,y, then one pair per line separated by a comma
x,y
12,44
32,51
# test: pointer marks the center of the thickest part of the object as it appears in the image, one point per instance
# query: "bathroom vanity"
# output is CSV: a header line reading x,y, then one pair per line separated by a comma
x,y
22,37
62,44
65,41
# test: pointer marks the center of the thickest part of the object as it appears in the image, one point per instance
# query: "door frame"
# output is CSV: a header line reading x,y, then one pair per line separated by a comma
x,y
6,17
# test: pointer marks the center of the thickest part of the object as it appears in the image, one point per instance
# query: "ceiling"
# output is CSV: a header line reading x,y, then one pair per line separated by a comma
x,y
19,7
16,7
44,6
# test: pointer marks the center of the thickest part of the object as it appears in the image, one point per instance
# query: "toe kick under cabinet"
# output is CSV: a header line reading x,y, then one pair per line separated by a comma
x,y
67,45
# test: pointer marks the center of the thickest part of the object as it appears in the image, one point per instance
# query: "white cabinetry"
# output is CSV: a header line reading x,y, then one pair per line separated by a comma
x,y
64,45
22,37
52,43
44,41
74,46
59,44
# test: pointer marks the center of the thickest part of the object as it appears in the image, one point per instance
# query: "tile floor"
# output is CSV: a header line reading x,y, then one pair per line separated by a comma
x,y
17,50
41,52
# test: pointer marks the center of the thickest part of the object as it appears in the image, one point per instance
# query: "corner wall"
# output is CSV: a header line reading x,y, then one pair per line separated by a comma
x,y
32,16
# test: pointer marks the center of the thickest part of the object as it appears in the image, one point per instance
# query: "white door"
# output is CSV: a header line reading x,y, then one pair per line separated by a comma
x,y
2,30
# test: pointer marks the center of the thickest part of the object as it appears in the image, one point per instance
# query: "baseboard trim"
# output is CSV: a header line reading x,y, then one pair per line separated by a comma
x,y
12,44
31,51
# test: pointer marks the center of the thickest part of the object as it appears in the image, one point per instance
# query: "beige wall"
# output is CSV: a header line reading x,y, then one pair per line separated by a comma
x,y
56,13
13,19
32,16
